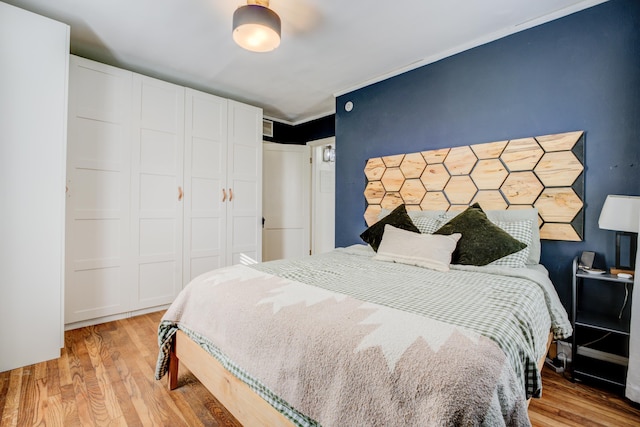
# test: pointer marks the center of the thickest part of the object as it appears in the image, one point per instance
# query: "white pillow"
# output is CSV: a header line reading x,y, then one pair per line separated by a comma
x,y
422,250
519,230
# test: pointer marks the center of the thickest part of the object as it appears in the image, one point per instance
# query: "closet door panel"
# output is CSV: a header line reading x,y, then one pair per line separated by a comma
x,y
106,86
98,143
98,272
208,239
97,193
157,185
98,290
157,153
158,195
244,234
206,197
200,265
206,193
209,158
245,229
97,243
208,115
155,279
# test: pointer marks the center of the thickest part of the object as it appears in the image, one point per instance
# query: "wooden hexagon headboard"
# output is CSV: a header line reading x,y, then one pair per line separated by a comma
x,y
545,172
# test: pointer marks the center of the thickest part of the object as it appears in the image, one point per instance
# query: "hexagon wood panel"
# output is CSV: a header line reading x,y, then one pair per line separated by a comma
x,y
543,171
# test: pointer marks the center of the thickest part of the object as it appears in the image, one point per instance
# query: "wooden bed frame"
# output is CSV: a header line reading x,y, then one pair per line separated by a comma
x,y
242,402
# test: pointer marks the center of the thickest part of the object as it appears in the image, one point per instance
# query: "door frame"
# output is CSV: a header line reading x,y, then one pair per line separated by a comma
x,y
316,161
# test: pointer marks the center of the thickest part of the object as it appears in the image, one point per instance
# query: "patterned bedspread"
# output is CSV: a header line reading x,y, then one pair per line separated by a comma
x,y
340,338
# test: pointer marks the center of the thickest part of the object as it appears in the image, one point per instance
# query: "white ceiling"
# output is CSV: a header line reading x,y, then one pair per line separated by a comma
x,y
329,47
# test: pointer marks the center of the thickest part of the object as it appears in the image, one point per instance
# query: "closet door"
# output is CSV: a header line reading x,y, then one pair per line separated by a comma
x,y
156,190
98,252
34,53
244,232
205,183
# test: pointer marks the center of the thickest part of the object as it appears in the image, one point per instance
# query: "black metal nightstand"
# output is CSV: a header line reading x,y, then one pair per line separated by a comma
x,y
600,342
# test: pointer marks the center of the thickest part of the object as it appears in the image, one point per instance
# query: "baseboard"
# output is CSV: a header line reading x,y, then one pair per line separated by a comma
x,y
113,317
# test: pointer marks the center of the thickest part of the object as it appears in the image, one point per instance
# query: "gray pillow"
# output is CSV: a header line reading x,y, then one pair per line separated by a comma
x,y
482,241
515,215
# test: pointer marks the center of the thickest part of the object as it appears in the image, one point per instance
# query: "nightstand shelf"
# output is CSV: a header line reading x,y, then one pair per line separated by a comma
x,y
605,332
607,372
602,322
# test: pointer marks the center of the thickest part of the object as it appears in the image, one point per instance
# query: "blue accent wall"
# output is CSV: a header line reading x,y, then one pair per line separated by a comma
x,y
580,72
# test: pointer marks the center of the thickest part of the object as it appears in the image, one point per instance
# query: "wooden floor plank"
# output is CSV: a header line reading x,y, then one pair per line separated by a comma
x,y
12,400
96,352
4,391
28,393
579,404
54,411
69,406
76,354
118,376
105,376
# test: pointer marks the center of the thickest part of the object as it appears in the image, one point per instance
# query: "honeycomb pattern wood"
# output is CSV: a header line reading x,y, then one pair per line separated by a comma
x,y
545,172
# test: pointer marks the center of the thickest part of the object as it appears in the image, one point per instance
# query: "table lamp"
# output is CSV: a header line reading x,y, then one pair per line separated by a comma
x,y
622,215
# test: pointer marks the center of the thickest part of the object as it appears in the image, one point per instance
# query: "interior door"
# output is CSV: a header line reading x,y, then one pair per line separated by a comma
x,y
286,208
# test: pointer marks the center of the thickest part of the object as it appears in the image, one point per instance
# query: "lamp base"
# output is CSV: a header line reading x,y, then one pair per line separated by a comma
x,y
616,270
633,247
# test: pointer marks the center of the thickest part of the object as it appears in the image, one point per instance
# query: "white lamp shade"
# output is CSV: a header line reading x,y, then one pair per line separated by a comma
x,y
620,213
256,28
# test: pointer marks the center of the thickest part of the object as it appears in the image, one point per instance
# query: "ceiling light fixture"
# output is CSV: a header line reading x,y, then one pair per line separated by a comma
x,y
256,27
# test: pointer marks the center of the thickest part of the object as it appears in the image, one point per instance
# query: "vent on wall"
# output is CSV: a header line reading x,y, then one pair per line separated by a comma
x,y
267,128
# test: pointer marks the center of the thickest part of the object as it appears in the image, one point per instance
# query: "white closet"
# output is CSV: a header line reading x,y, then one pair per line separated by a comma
x,y
34,53
152,200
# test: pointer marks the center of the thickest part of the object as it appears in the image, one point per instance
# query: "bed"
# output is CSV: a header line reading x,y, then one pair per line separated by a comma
x,y
397,336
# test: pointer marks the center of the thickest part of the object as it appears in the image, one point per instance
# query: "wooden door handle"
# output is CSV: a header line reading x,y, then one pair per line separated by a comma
x,y
224,195
180,194
230,195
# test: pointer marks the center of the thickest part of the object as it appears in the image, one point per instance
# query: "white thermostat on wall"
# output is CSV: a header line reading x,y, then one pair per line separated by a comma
x,y
348,106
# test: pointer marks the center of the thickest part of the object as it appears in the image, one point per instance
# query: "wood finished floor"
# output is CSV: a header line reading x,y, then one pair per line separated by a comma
x,y
105,378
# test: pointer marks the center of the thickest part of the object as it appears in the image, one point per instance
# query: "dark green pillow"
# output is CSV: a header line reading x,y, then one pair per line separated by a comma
x,y
398,218
482,241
